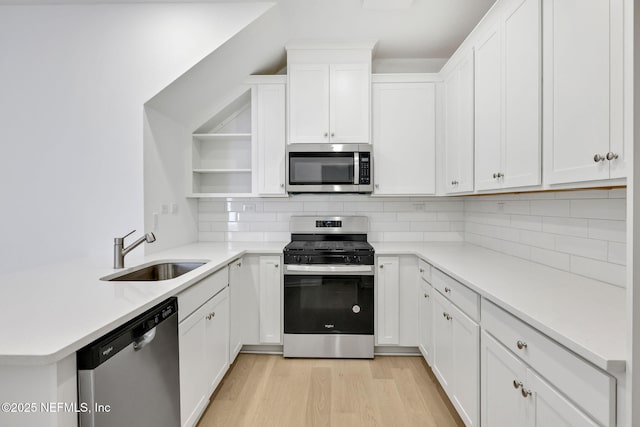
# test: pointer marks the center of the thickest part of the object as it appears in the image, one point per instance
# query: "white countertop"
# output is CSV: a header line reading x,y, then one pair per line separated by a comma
x,y
54,311
585,315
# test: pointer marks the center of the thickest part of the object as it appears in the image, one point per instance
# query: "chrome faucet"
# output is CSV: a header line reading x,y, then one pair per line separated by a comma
x,y
119,251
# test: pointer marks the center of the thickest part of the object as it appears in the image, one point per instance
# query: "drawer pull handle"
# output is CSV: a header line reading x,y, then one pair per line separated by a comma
x,y
521,345
211,315
525,393
447,290
426,296
422,270
517,384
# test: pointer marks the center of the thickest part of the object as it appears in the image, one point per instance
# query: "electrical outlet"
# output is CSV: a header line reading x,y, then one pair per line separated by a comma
x,y
500,206
155,221
249,207
164,209
174,208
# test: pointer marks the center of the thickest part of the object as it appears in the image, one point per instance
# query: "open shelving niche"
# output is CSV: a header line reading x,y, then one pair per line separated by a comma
x,y
223,153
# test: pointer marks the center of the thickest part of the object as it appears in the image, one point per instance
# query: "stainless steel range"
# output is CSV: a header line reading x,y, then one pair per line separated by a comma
x,y
328,288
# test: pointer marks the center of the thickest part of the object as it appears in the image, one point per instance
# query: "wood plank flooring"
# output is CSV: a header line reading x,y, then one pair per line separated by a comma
x,y
269,390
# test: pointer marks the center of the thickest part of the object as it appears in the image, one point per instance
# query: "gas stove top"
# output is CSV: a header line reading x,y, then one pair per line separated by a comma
x,y
333,240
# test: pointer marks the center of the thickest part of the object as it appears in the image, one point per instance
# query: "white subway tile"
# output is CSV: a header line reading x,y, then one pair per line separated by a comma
x,y
256,216
435,236
244,206
208,236
550,207
617,253
599,208
442,205
408,206
618,193
526,222
542,195
244,237
551,258
417,216
568,226
381,216
604,271
614,231
210,206
516,249
429,226
520,207
402,236
283,206
217,216
456,226
336,207
230,226
596,249
390,226
375,236
503,233
537,239
450,216
268,226
501,220
582,194
284,217
364,206
276,236
204,226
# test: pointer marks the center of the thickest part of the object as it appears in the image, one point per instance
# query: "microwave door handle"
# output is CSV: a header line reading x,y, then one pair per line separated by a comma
x,y
356,168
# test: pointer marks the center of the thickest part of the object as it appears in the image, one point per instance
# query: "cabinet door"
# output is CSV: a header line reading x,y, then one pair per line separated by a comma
x,y
404,138
270,134
582,88
270,300
459,127
442,341
551,407
236,311
488,81
466,366
350,103
216,340
425,319
193,364
388,301
308,103
521,107
502,378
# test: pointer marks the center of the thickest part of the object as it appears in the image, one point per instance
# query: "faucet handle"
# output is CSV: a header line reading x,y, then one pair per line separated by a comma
x,y
121,239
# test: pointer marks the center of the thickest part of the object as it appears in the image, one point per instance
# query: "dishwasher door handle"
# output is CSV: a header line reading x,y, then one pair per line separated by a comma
x,y
142,341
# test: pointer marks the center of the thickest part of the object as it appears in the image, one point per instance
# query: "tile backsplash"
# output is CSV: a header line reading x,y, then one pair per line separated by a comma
x,y
582,231
397,219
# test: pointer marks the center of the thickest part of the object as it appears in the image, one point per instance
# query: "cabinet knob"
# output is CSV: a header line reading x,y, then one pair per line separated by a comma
x,y
521,345
611,155
377,185
281,185
211,315
276,265
447,290
333,134
382,266
421,270
426,296
598,158
326,134
517,384
444,314
525,393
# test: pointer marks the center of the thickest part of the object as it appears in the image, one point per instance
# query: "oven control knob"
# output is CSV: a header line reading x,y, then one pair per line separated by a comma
x,y
356,259
355,308
307,259
298,259
346,259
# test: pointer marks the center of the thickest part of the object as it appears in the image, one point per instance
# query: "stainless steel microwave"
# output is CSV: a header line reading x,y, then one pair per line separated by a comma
x,y
329,168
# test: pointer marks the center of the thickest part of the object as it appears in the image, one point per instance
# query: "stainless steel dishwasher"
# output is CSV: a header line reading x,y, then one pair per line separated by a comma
x,y
131,377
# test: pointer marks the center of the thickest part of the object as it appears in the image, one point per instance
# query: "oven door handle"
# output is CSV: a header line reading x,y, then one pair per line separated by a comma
x,y
347,270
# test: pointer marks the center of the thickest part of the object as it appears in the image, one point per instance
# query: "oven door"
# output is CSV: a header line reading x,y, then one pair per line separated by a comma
x,y
328,302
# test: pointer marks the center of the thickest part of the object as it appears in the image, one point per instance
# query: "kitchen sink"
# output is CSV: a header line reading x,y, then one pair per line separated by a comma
x,y
162,270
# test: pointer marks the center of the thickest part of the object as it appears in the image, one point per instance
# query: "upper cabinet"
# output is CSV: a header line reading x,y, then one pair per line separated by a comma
x,y
583,90
404,136
508,99
329,96
458,127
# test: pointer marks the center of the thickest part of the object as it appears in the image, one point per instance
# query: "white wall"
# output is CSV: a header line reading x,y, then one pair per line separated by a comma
x,y
73,80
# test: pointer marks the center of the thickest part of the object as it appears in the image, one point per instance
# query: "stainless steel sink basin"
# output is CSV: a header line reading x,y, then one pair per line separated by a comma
x,y
162,270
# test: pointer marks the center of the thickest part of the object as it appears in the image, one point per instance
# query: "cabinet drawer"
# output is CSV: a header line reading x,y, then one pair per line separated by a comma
x,y
460,295
193,297
424,270
589,387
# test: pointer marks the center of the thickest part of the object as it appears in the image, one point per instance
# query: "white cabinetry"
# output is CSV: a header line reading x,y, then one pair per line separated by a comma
x,y
513,394
573,392
388,301
404,138
425,316
236,305
456,356
270,300
204,344
269,129
329,93
459,130
507,103
583,90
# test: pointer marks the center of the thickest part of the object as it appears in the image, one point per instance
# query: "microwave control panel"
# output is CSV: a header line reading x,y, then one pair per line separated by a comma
x,y
365,168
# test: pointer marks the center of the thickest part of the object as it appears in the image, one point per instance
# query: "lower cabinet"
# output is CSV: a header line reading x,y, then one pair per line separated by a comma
x,y
425,316
204,355
515,395
456,357
270,300
237,282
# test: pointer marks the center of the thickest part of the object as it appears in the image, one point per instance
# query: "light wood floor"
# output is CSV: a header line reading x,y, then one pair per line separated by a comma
x,y
268,390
